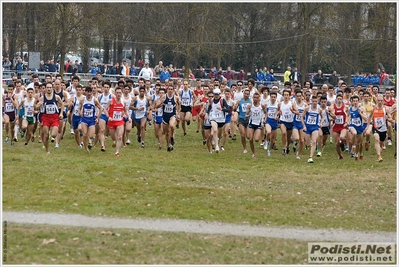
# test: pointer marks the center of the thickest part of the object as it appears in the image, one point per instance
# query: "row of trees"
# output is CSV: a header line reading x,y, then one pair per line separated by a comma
x,y
347,37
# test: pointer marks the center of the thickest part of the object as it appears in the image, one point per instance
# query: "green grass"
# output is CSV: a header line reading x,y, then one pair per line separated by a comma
x,y
105,246
189,183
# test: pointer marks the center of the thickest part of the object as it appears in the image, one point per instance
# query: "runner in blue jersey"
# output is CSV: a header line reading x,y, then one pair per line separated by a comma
x,y
241,108
311,119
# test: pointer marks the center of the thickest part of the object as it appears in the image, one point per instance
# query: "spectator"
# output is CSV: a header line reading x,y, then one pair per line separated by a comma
x,y
200,73
287,74
229,75
270,77
260,77
382,77
212,73
241,75
319,78
51,67
95,69
80,67
20,67
333,80
146,72
42,66
133,71
164,75
6,63
295,75
158,68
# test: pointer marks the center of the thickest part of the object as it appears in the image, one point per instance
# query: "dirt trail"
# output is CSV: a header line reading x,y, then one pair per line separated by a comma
x,y
200,227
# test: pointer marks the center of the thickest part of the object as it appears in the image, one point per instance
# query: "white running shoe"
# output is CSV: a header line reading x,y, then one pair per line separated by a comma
x,y
268,153
217,149
57,145
245,151
128,142
266,145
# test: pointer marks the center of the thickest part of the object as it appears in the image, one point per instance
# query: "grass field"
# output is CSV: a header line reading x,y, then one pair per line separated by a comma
x,y
189,183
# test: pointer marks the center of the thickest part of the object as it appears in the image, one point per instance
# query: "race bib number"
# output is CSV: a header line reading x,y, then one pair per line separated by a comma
x,y
29,112
379,122
169,108
298,117
117,116
339,119
216,114
51,109
311,120
271,114
287,116
356,121
88,112
185,102
9,107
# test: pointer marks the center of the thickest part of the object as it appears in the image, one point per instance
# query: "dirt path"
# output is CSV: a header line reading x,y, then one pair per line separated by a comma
x,y
200,227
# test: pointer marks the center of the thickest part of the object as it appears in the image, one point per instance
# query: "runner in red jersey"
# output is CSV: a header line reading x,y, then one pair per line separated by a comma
x,y
388,102
340,127
200,102
198,93
117,114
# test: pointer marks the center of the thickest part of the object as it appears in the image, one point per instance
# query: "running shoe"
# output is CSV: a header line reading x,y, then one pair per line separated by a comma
x,y
288,149
361,157
266,146
15,139
222,148
318,154
203,142
32,139
138,138
297,156
72,132
295,146
367,146
234,137
90,145
188,123
284,152
52,139
149,124
379,159
389,142
262,143
40,139
6,140
117,154
196,131
159,148
113,144
340,157
275,147
142,144
185,134
331,140
128,142
26,144
253,156
310,160
268,153
22,133
57,145
356,157
217,149
384,147
103,148
245,151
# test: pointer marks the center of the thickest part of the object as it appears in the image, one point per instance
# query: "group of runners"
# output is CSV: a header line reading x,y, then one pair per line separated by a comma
x,y
306,116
